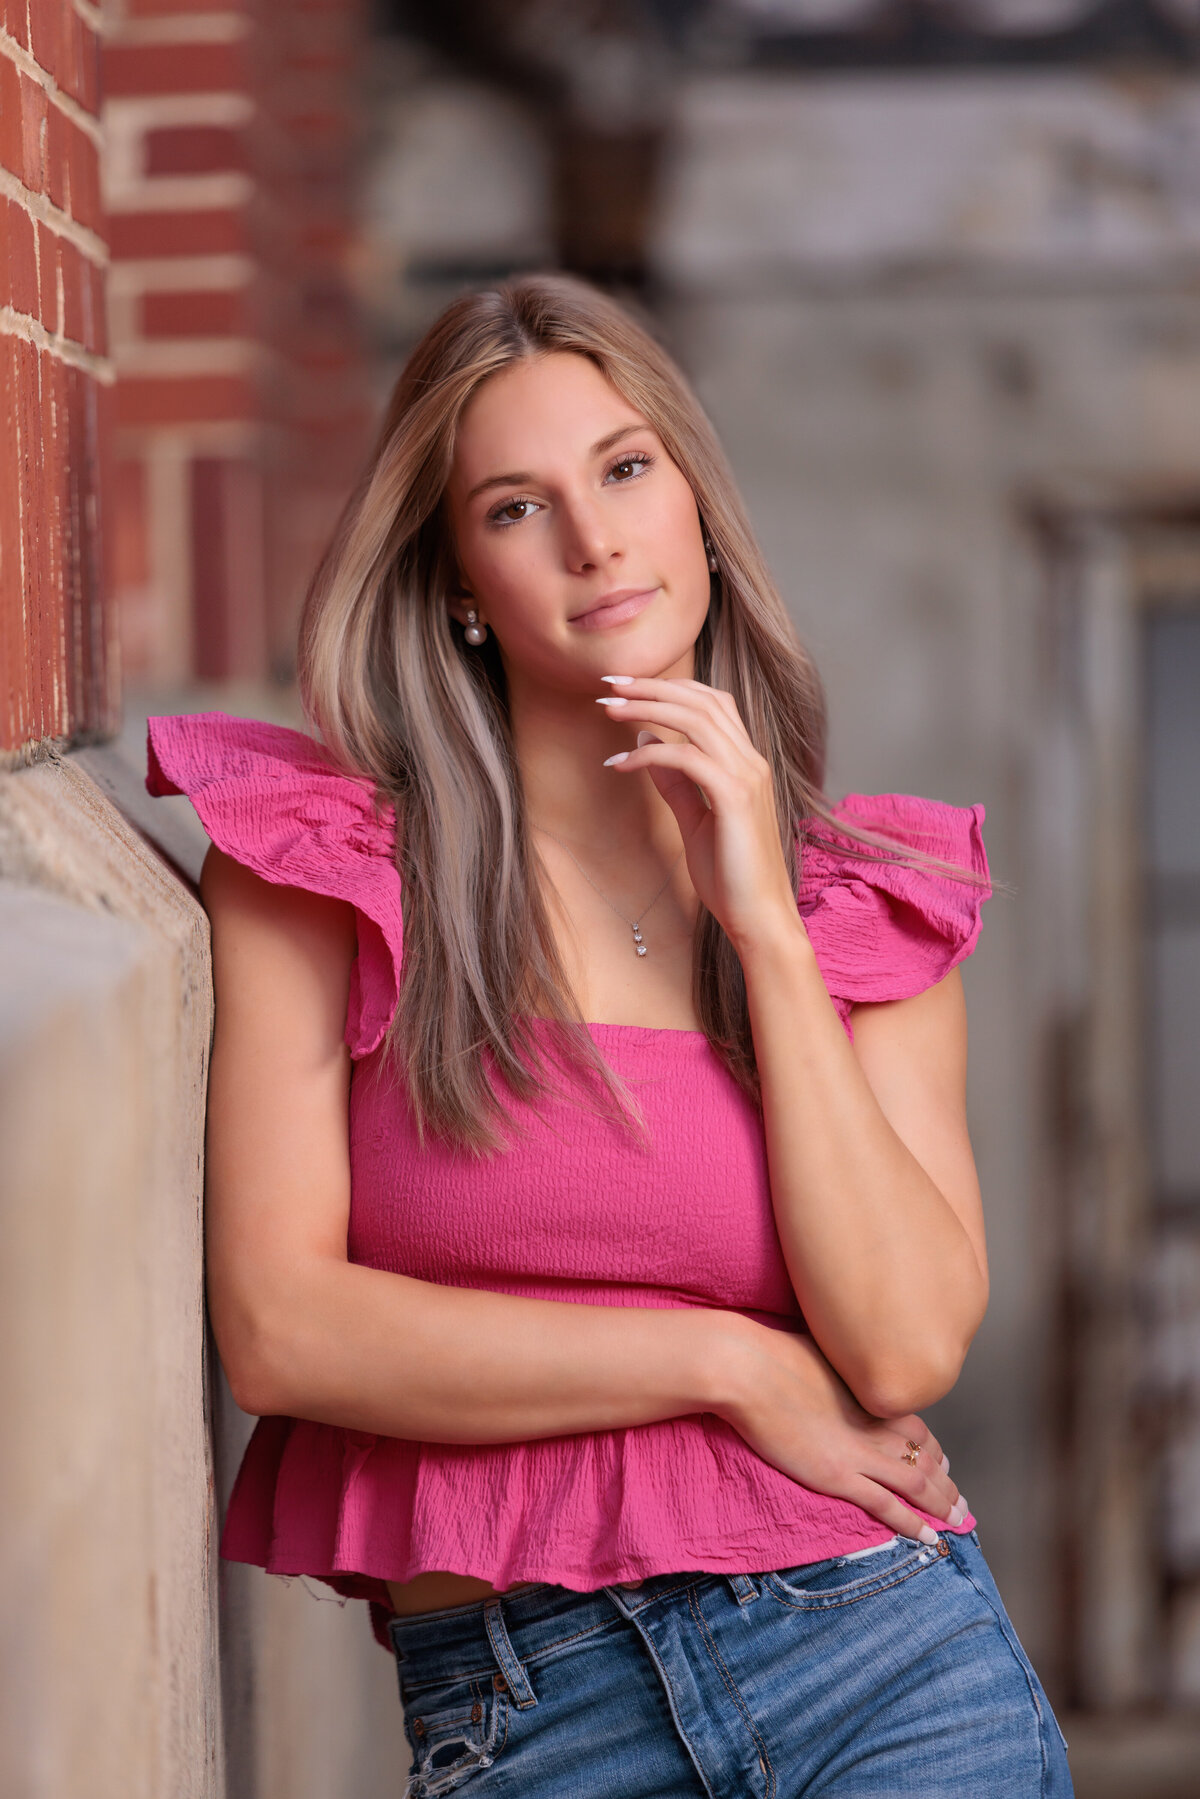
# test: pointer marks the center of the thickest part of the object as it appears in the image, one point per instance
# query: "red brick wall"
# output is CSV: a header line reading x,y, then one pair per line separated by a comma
x,y
241,394
58,661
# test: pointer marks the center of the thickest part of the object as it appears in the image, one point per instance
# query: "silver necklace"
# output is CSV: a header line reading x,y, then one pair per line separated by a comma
x,y
633,923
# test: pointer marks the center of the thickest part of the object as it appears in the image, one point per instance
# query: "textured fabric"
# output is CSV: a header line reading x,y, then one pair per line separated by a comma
x,y
898,1674
270,797
574,1210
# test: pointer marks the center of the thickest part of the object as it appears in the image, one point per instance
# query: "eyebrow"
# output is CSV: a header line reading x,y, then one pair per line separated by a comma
x,y
523,478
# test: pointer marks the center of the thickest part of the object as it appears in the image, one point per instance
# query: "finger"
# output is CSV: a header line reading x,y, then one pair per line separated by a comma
x,y
919,1431
700,725
682,795
726,702
688,760
933,1492
915,1430
883,1504
919,1479
717,705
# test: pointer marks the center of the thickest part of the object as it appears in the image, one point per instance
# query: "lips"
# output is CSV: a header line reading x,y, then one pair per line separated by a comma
x,y
614,608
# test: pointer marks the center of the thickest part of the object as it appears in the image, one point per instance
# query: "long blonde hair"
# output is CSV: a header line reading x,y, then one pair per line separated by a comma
x,y
389,683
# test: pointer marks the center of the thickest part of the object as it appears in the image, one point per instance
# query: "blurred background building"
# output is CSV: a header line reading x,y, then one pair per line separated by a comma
x,y
934,268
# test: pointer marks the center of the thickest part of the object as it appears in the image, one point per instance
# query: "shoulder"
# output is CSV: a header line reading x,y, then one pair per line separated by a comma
x,y
281,813
891,893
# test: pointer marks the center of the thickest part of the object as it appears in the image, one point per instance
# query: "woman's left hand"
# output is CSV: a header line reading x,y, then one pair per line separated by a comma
x,y
734,855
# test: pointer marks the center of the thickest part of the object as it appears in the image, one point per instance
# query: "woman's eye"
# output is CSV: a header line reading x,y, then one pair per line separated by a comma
x,y
629,467
512,512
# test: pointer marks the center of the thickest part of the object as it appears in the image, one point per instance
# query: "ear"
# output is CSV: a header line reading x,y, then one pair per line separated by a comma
x,y
459,600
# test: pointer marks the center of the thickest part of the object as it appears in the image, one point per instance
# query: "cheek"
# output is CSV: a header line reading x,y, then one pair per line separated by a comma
x,y
676,523
509,575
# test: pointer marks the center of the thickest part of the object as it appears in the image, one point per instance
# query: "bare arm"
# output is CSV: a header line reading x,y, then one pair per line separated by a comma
x,y
872,1176
305,1333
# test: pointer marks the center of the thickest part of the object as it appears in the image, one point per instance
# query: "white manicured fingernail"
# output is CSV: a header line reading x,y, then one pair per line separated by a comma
x,y
612,699
965,1504
928,1536
618,680
621,756
647,737
945,1464
958,1512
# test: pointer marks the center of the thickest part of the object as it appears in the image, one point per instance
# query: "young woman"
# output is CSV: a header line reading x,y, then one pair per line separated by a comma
x,y
590,1203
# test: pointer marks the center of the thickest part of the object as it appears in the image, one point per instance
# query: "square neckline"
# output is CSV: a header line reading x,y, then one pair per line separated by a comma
x,y
643,1030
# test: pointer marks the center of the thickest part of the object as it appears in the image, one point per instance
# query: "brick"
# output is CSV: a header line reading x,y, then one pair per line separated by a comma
x,y
54,178
74,281
212,313
23,286
131,69
97,311
89,70
5,257
83,177
49,247
12,648
209,233
38,531
34,110
12,142
71,53
45,35
195,150
16,21
185,400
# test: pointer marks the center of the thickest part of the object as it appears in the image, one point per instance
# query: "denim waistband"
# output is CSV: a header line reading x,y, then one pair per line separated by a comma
x,y
497,1638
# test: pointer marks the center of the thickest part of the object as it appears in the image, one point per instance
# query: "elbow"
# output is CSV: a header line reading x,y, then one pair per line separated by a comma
x,y
896,1386
251,1392
252,1373
899,1378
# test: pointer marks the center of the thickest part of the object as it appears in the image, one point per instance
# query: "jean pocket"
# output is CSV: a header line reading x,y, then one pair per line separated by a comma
x,y
454,1732
818,1586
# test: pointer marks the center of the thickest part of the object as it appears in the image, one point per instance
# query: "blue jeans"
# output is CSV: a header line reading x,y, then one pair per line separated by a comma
x,y
895,1673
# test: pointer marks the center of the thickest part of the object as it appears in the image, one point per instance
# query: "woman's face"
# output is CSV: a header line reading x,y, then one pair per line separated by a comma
x,y
578,539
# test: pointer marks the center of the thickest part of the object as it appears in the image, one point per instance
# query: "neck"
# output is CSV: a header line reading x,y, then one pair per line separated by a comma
x,y
561,739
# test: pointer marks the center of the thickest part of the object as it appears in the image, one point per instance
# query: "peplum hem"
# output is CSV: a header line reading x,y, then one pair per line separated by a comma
x,y
356,1510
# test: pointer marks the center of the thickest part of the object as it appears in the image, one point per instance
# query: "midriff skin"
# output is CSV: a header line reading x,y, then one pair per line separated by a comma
x,y
434,1592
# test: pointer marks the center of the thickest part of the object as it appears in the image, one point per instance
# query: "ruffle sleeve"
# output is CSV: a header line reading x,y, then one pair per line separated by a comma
x,y
885,929
271,798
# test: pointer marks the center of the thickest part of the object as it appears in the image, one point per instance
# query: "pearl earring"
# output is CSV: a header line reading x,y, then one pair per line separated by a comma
x,y
475,632
712,557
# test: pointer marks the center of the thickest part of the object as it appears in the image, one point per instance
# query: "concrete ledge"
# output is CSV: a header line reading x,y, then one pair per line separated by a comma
x,y
135,1665
110,1626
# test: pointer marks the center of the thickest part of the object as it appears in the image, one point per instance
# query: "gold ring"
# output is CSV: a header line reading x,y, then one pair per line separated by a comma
x,y
910,1453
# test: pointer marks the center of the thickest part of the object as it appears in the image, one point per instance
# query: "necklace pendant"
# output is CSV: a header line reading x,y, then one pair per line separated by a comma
x,y
637,939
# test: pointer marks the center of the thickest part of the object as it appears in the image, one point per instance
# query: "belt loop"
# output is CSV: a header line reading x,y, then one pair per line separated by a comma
x,y
507,1659
742,1588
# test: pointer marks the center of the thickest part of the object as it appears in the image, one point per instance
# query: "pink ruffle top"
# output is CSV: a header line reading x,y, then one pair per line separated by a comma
x,y
574,1210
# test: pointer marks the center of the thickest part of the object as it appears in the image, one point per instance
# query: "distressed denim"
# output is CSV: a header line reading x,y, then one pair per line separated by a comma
x,y
895,1673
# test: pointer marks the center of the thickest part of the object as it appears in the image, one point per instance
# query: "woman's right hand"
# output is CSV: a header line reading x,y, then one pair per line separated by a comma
x,y
799,1415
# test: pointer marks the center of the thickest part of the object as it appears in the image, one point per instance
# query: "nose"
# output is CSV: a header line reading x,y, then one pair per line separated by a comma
x,y
589,536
